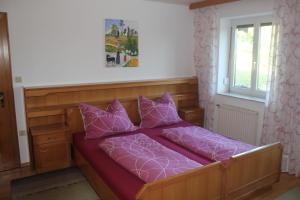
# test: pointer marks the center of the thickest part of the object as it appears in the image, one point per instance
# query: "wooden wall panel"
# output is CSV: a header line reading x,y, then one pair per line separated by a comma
x,y
66,96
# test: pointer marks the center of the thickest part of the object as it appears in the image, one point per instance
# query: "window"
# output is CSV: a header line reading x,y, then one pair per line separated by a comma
x,y
250,56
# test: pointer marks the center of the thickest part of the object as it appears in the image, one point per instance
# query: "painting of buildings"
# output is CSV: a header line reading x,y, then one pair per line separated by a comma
x,y
121,43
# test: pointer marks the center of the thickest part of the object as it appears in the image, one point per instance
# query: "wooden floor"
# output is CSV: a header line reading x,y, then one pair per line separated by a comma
x,y
286,183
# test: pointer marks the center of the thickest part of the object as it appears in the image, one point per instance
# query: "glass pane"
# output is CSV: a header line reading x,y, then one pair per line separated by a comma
x,y
264,56
244,56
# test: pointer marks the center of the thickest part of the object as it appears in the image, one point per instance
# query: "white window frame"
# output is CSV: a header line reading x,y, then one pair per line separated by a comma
x,y
256,21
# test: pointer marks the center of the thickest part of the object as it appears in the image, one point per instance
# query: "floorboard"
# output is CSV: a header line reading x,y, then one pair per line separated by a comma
x,y
7,176
287,182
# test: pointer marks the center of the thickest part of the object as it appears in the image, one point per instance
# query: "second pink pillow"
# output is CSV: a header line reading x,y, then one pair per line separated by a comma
x,y
99,123
157,113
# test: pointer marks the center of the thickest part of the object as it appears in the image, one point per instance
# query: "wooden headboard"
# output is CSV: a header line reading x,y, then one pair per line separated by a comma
x,y
59,105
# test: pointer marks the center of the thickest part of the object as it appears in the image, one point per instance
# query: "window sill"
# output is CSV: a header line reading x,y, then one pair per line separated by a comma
x,y
249,98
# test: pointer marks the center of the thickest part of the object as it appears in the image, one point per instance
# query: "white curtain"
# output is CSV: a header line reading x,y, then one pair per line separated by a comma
x,y
282,115
205,59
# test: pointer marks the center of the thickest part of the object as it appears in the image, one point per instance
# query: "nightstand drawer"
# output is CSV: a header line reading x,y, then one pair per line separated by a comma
x,y
194,115
52,156
49,138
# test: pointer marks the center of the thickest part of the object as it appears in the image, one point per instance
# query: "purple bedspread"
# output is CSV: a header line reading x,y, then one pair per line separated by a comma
x,y
206,143
146,158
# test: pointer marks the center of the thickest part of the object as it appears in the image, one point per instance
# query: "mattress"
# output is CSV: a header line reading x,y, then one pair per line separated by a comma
x,y
123,183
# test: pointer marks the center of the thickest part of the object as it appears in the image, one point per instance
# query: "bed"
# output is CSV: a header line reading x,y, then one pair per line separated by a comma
x,y
111,171
239,178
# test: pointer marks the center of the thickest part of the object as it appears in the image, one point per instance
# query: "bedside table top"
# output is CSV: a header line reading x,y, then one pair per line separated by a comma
x,y
39,130
191,109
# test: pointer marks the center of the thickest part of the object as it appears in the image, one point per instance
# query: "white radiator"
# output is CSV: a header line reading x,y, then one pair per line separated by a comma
x,y
237,123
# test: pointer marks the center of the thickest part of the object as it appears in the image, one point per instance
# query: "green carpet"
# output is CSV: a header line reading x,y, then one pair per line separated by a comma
x,y
68,184
293,194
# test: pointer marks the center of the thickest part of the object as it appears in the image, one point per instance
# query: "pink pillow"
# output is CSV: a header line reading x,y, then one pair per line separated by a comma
x,y
99,123
157,113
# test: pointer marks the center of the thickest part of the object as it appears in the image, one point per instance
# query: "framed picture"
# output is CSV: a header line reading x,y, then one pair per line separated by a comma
x,y
121,43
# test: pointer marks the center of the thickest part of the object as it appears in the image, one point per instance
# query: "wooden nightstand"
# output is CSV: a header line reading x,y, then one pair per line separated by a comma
x,y
194,115
50,148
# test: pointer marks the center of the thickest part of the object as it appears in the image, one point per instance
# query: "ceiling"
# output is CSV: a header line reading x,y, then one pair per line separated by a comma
x,y
184,2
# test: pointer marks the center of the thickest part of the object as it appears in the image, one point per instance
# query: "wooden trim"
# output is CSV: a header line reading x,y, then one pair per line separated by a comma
x,y
10,134
27,164
34,110
45,90
207,3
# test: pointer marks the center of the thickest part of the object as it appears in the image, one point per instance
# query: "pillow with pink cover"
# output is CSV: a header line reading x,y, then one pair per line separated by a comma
x,y
163,111
99,123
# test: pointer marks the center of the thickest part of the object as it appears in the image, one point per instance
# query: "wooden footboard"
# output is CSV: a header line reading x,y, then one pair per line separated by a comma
x,y
202,183
239,178
248,172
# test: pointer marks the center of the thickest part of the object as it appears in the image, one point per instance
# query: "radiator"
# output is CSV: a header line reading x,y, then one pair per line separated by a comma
x,y
237,123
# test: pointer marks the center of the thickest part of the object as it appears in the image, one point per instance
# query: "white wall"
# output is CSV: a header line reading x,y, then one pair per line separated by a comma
x,y
225,13
62,42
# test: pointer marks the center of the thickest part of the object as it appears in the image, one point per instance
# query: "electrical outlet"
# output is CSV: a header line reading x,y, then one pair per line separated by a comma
x,y
22,133
18,79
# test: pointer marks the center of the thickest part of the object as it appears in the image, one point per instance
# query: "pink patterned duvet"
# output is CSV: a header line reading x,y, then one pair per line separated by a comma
x,y
206,143
146,158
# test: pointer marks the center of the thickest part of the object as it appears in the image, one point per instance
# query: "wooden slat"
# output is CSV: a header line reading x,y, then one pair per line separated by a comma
x,y
108,94
34,109
201,183
207,3
42,91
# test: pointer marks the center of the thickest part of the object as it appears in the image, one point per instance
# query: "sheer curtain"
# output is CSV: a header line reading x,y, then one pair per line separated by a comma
x,y
282,115
205,59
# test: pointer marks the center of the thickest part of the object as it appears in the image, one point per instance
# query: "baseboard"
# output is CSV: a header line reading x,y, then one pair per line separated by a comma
x,y
27,164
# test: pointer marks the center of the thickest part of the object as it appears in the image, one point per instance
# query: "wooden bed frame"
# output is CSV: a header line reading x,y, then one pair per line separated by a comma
x,y
239,178
245,175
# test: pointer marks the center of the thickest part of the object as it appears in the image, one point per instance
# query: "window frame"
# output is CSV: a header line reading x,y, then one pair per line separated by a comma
x,y
256,22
